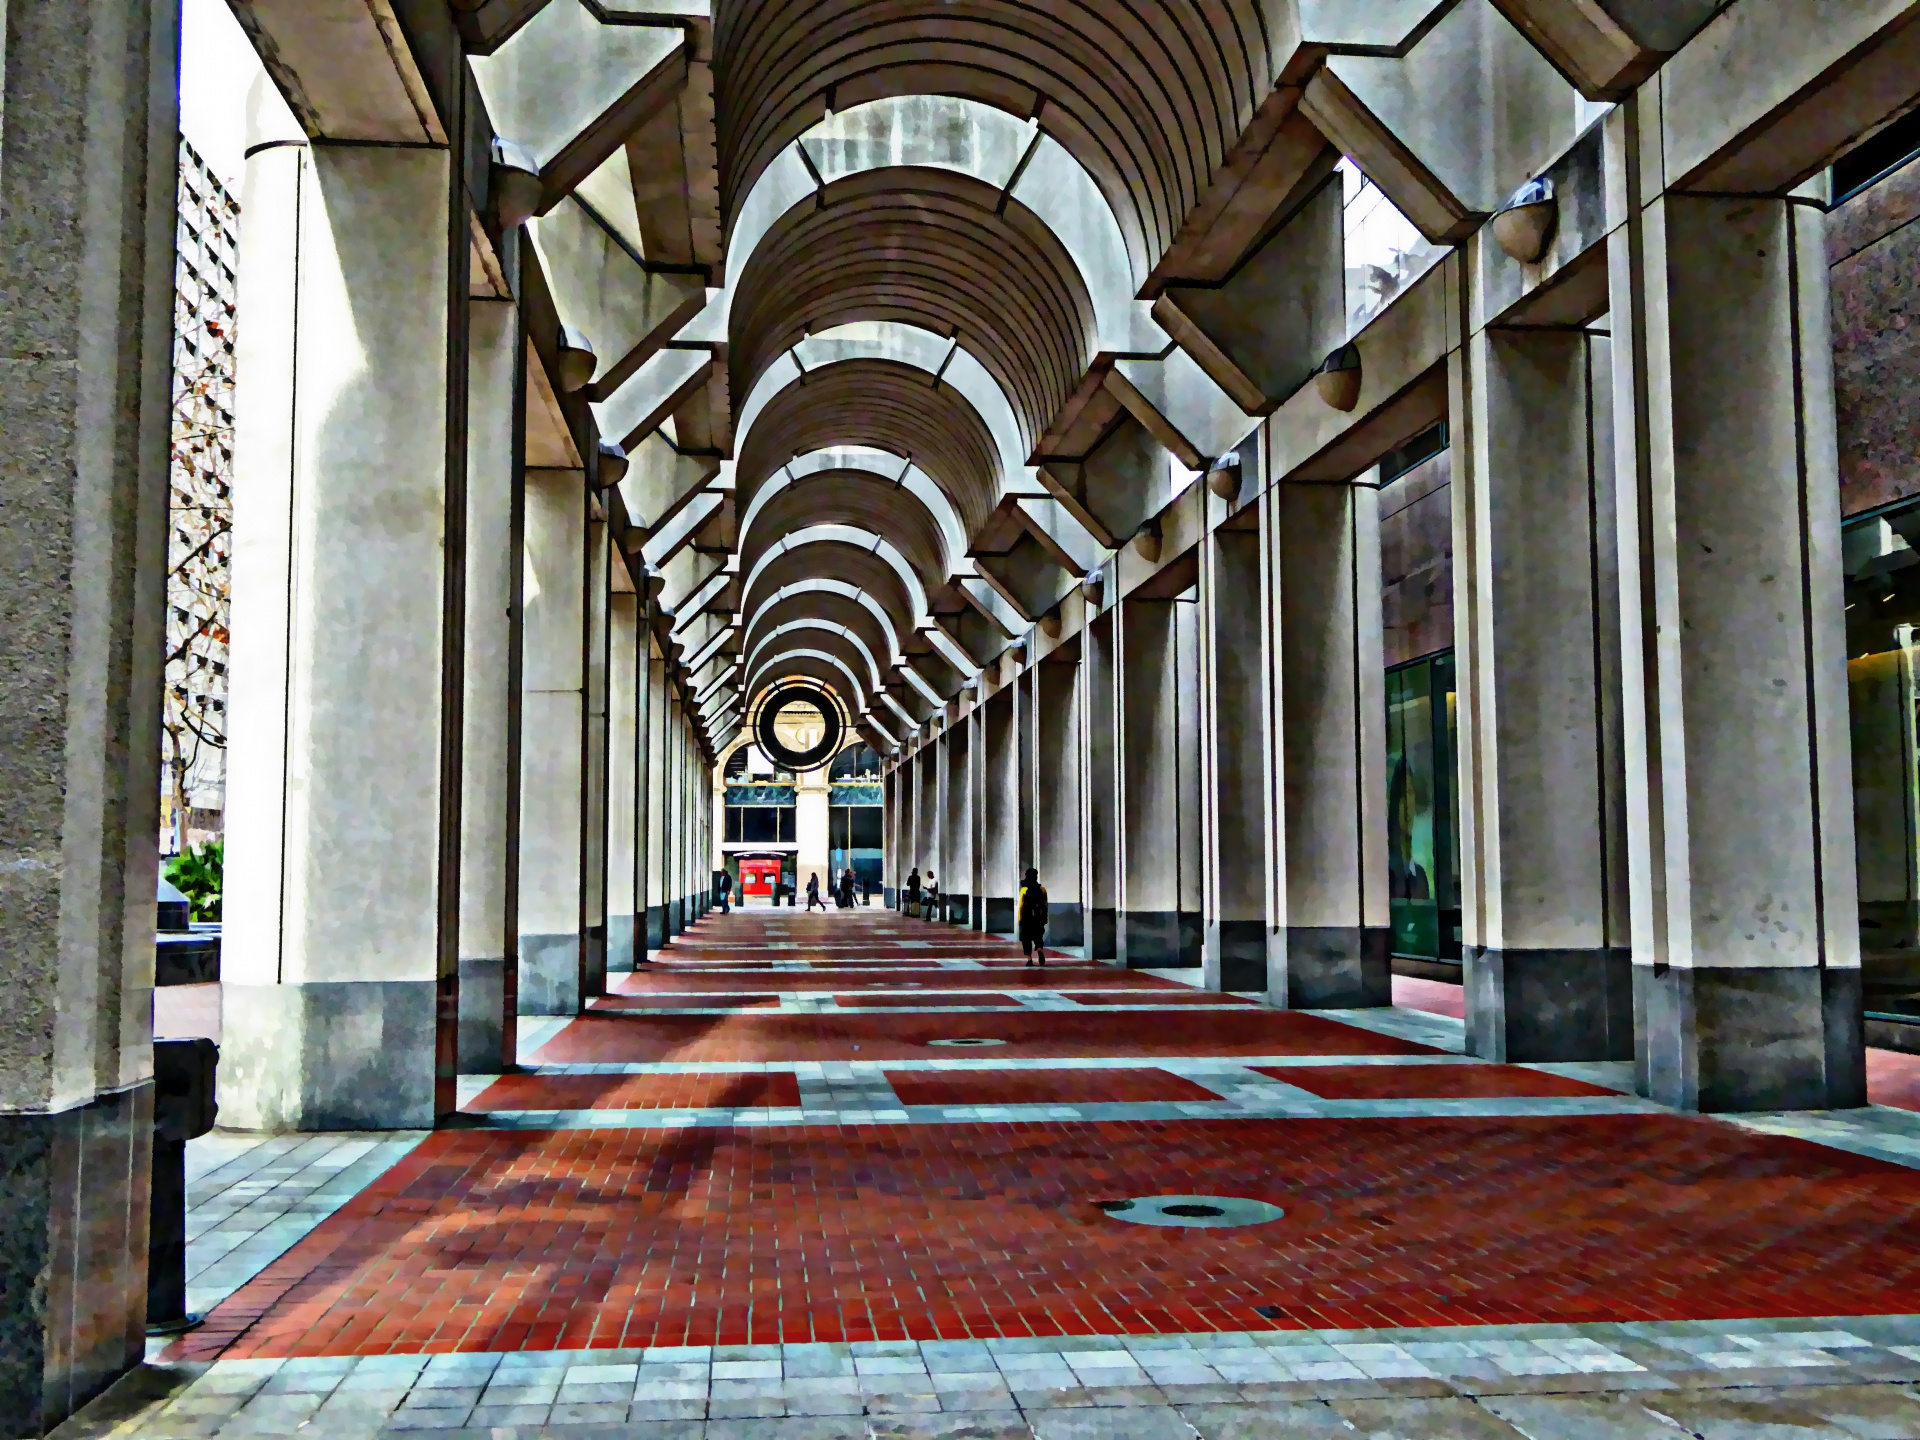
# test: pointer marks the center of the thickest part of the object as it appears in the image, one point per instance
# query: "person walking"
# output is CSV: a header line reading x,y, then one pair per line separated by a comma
x,y
846,889
912,894
1032,918
866,891
813,892
723,888
930,909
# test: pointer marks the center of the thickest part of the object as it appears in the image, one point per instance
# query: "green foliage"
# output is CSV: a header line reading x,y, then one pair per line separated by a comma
x,y
196,874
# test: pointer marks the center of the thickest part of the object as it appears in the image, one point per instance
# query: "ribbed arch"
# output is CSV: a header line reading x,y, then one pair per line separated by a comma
x,y
859,567
850,497
857,689
886,405
823,608
931,248
1149,95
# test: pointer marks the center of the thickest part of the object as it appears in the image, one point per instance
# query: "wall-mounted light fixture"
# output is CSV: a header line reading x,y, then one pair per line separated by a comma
x,y
1050,624
613,464
1146,542
515,184
1095,582
576,360
1523,227
1224,479
1338,378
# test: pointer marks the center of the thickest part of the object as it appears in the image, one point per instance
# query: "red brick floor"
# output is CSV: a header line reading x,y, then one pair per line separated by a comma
x,y
1893,1078
1072,978
1436,997
621,1237
1183,996
718,1000
1427,1082
1052,1035
551,1240
1102,1086
922,998
637,1092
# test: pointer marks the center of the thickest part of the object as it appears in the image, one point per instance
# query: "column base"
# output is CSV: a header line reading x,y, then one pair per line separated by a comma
x,y
1000,913
958,909
482,1015
620,944
1236,955
1105,935
656,926
977,914
549,975
346,1055
1160,939
1066,924
1544,1005
890,897
1752,1038
73,1254
1330,967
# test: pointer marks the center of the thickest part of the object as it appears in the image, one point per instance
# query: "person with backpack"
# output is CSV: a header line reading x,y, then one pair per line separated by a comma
x,y
1032,918
813,893
912,894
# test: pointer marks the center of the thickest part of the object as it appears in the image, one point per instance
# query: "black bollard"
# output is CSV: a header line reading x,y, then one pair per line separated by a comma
x,y
183,1108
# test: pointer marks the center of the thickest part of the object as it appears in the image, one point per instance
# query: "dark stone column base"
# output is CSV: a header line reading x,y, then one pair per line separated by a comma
x,y
1544,1005
1752,1038
977,913
1066,924
1104,935
549,974
482,1009
890,897
349,1055
1330,967
620,936
1153,940
959,910
656,926
1236,955
1000,913
73,1254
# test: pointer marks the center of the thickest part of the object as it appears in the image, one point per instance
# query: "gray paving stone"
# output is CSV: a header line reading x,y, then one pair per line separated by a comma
x,y
1142,1423
961,1425
1259,1422
1453,1418
1581,1417
1774,1414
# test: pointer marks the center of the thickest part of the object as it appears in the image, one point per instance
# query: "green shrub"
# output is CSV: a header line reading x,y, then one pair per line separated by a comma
x,y
196,873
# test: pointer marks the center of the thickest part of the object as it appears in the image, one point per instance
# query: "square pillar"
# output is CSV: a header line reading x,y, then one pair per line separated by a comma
x,y
623,795
1000,815
1745,936
1327,849
1233,759
956,846
552,725
656,809
1158,752
343,840
1543,866
87,177
495,400
1057,793
594,760
1102,730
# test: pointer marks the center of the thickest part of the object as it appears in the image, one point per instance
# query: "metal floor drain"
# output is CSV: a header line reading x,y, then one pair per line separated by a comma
x,y
1198,1212
966,1041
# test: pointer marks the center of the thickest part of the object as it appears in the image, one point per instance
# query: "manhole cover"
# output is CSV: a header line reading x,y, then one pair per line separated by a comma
x,y
1200,1212
966,1041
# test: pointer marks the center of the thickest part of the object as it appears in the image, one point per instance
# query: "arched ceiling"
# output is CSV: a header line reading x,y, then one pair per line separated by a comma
x,y
886,405
930,248
1149,95
854,498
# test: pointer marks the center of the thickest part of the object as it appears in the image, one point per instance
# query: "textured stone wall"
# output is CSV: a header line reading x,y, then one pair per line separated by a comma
x,y
1873,244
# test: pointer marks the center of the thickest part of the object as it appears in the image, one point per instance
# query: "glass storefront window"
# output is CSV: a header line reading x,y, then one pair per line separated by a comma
x,y
1881,553
1423,818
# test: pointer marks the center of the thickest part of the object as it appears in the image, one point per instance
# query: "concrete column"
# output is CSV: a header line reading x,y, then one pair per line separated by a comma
x,y
813,804
1745,938
1058,794
86,265
595,761
623,750
674,817
1543,863
926,811
1026,790
1159,910
643,777
335,953
1103,787
893,873
656,813
976,723
553,553
495,411
1000,812
1327,853
1235,730
956,843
